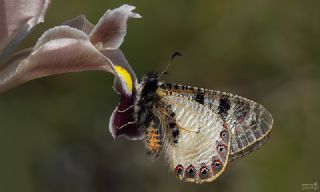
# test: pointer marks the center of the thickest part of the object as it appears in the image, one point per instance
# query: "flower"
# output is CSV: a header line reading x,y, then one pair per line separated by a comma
x,y
18,18
77,45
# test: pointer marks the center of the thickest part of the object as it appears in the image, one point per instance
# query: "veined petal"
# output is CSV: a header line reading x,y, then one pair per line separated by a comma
x,y
60,50
81,23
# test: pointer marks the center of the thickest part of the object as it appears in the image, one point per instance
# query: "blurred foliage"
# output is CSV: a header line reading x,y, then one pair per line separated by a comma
x,y
54,131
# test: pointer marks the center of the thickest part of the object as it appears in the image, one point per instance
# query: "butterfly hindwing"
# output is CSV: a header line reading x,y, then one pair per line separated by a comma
x,y
200,151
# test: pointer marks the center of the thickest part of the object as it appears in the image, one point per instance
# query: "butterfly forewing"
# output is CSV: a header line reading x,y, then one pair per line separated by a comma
x,y
250,126
201,150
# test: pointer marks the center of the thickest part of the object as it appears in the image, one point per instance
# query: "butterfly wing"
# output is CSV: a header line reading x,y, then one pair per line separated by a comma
x,y
248,122
199,153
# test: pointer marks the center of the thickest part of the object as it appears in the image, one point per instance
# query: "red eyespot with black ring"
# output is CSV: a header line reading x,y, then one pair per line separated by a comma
x,y
216,166
204,172
179,170
191,172
222,150
224,136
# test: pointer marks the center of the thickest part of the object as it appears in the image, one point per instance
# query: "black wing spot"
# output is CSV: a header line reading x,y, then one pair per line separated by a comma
x,y
224,106
175,134
200,98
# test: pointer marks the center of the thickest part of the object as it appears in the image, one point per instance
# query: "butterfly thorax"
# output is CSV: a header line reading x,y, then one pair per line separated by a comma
x,y
146,99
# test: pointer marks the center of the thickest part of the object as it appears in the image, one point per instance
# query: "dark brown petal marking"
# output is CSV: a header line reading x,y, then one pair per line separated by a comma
x,y
178,170
191,172
216,166
224,106
204,172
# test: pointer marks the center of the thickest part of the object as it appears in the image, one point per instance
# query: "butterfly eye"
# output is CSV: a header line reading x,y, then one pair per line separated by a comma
x,y
216,166
204,172
179,170
190,172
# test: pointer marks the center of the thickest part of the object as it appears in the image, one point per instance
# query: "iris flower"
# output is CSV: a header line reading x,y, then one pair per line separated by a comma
x,y
76,45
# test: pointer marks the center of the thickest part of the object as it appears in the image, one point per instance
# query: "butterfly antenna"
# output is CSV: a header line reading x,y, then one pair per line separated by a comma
x,y
166,68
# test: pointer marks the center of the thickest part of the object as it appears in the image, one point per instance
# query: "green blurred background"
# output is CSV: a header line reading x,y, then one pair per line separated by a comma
x,y
54,131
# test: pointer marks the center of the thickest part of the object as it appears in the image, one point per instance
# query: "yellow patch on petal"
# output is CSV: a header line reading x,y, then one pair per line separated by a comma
x,y
126,77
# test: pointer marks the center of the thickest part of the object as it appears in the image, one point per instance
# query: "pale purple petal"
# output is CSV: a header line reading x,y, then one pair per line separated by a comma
x,y
111,29
60,32
81,23
17,18
60,50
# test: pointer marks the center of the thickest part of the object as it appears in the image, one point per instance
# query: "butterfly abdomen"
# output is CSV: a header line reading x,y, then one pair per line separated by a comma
x,y
153,139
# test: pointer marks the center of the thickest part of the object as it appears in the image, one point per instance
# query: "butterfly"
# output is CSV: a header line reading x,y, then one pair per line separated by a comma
x,y
198,130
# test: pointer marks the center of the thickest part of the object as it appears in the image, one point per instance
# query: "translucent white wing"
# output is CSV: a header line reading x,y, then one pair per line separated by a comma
x,y
200,151
249,123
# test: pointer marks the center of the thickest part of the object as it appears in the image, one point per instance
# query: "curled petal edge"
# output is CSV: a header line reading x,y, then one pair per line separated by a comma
x,y
111,29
